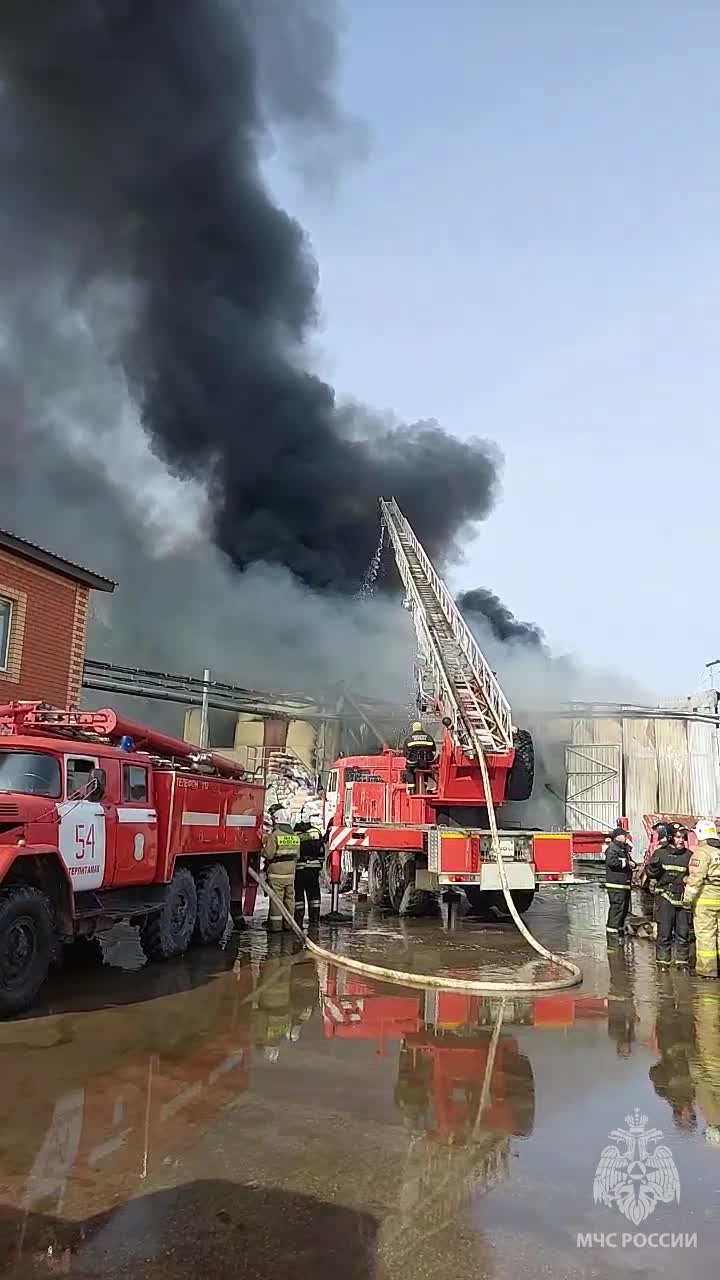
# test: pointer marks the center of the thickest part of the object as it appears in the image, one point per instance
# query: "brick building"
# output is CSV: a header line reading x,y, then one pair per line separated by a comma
x,y
43,622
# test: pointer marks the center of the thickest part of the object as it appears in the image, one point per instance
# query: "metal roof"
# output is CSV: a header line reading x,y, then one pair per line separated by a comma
x,y
38,555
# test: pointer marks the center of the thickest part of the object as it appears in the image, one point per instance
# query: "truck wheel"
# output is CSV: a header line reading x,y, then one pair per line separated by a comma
x,y
521,897
213,904
378,893
27,946
405,899
168,933
419,902
481,902
522,775
396,880
83,953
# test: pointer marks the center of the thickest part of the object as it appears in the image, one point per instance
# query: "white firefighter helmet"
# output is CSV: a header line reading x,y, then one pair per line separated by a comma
x,y
705,829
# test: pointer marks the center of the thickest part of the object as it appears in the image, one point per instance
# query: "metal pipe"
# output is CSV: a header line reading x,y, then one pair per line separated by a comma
x,y
204,734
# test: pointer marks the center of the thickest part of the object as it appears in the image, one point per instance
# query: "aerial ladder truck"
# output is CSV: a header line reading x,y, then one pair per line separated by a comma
x,y
415,843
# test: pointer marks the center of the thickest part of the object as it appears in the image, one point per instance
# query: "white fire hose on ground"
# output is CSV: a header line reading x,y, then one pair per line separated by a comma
x,y
570,978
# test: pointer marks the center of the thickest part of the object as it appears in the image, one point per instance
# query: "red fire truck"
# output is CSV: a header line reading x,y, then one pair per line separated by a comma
x,y
414,843
102,820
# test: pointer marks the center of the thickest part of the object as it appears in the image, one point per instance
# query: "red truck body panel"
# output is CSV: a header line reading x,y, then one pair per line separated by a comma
x,y
205,815
125,839
368,810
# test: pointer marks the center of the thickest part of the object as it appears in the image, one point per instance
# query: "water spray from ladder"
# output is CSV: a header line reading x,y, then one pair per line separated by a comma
x,y
368,583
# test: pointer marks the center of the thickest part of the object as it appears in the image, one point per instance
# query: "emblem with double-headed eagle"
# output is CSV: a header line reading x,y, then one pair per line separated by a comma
x,y
635,1174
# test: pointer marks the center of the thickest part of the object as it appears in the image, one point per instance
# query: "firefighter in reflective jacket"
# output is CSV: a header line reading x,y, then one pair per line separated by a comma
x,y
668,869
281,848
618,881
702,893
307,872
420,751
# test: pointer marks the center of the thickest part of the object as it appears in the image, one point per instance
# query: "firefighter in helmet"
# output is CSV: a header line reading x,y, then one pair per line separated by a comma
x,y
668,869
281,848
618,881
420,754
307,872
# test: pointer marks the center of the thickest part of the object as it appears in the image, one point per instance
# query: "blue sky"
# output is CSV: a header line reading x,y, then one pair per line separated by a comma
x,y
531,253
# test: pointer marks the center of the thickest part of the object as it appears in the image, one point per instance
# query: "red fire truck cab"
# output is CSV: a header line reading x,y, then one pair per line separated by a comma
x,y
103,820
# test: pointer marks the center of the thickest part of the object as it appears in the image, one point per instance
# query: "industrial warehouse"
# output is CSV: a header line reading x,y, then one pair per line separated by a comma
x,y
359,709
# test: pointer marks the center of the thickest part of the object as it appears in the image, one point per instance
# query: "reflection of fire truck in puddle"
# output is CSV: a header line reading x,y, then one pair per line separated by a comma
x,y
446,1040
464,1087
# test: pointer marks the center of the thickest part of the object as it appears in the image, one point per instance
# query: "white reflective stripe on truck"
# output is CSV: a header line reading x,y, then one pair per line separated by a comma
x,y
192,819
128,813
241,820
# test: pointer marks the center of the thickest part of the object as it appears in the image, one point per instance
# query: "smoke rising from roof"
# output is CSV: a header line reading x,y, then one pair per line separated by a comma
x,y
503,624
139,234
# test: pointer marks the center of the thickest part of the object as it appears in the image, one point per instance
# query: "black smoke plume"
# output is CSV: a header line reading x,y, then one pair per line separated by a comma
x,y
503,624
131,139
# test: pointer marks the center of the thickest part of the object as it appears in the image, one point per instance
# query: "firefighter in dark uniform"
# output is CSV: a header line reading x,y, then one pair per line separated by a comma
x,y
307,872
420,752
618,881
667,869
664,832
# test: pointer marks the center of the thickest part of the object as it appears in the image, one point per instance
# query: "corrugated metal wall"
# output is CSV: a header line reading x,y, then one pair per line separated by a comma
x,y
666,766
641,773
704,769
671,747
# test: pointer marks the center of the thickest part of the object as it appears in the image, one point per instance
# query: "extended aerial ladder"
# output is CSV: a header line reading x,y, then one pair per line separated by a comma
x,y
419,829
465,690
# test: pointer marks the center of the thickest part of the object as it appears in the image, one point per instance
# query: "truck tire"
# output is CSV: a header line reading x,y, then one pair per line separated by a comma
x,y
168,932
27,946
522,775
213,904
378,895
405,899
397,882
483,900
480,901
522,898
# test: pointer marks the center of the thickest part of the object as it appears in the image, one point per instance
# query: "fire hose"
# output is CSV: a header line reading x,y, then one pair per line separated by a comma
x,y
571,978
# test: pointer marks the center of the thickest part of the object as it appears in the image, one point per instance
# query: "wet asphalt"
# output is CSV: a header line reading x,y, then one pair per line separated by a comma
x,y
249,1112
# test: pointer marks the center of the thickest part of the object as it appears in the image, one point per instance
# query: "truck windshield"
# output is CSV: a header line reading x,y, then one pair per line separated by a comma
x,y
30,773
